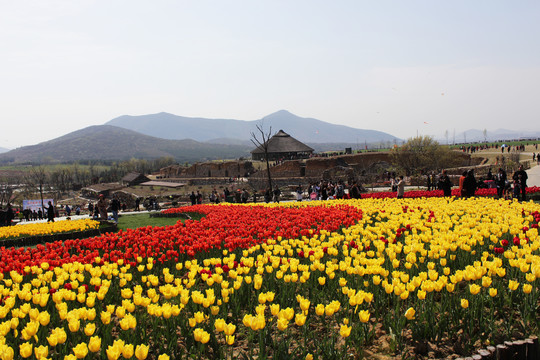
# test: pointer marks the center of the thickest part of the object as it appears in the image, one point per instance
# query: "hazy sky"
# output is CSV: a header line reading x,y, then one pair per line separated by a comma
x,y
384,65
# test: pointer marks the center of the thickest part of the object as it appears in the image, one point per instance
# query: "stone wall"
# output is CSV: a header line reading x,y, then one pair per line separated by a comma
x,y
209,169
315,167
291,168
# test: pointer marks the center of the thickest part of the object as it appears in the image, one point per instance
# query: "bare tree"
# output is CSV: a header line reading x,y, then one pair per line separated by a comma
x,y
262,143
6,190
38,178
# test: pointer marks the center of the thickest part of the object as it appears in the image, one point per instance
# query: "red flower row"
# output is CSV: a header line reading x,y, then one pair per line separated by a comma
x,y
224,227
439,193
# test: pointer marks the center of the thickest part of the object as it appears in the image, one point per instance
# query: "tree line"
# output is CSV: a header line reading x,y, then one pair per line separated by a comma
x,y
59,179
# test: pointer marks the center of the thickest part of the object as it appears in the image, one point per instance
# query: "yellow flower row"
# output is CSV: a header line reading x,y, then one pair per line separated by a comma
x,y
37,229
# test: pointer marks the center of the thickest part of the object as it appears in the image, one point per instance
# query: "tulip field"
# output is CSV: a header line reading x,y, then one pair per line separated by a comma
x,y
309,280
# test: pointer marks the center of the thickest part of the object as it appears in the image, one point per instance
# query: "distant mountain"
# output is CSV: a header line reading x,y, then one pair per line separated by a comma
x,y
106,142
307,130
3,150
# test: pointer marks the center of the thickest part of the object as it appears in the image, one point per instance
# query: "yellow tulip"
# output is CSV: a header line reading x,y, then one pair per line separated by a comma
x,y
44,318
163,357
94,345
113,353
89,329
409,314
219,325
25,350
464,303
345,331
282,324
105,317
41,352
300,319
74,325
128,351
364,316
229,329
7,353
513,285
474,289
81,350
141,352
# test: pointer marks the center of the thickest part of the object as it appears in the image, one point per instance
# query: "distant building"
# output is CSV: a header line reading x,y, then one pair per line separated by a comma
x,y
282,146
134,178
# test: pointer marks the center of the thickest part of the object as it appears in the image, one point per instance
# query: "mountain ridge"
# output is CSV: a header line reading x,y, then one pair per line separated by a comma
x,y
169,126
112,143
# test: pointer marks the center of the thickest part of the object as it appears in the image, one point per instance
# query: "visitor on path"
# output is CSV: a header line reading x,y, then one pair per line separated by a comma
x,y
102,207
340,190
469,184
137,203
501,182
193,198
461,182
115,208
10,214
521,176
445,184
299,193
244,196
400,187
277,194
50,212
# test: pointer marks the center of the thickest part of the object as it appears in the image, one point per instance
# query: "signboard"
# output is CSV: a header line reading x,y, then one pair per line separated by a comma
x,y
36,204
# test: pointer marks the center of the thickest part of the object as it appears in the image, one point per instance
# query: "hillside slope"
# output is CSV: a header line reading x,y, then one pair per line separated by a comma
x,y
106,142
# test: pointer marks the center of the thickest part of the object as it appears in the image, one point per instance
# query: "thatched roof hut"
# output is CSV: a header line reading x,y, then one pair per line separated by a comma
x,y
282,146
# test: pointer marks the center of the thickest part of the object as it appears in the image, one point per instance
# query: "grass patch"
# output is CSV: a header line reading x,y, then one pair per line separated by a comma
x,y
144,219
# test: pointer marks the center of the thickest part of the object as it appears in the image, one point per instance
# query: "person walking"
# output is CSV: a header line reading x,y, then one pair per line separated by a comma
x,y
115,208
299,193
469,184
277,194
102,207
500,182
445,184
400,187
50,212
461,181
521,176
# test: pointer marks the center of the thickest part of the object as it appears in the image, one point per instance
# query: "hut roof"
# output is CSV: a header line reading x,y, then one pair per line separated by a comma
x,y
132,176
283,143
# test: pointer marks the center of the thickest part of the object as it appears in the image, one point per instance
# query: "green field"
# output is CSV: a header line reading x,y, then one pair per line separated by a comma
x,y
142,220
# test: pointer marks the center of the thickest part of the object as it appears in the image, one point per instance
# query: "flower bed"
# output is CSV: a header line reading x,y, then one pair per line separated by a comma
x,y
323,280
531,191
48,228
